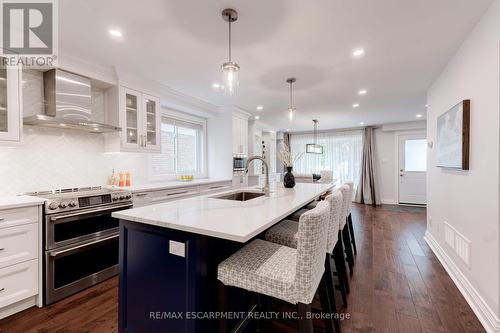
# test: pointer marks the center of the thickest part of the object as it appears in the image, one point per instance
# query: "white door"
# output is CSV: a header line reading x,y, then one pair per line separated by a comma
x,y
412,169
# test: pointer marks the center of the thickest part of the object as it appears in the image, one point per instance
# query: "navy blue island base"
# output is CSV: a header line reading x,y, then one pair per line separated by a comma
x,y
165,292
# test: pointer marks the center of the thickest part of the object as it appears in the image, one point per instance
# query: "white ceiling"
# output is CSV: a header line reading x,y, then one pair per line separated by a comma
x,y
182,43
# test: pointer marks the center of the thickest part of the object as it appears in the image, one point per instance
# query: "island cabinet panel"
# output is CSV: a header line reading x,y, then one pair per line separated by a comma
x,y
159,288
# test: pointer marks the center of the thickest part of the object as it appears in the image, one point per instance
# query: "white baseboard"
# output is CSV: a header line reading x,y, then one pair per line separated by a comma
x,y
486,315
388,201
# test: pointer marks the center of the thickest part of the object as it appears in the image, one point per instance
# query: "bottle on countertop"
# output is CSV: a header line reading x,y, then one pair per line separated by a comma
x,y
128,179
121,180
112,178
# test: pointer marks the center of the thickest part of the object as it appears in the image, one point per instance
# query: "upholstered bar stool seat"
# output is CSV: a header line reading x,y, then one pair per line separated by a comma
x,y
290,274
296,216
284,233
263,267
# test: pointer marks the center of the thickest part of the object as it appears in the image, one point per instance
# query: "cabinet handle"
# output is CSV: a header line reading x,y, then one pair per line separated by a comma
x,y
141,194
3,248
2,289
1,219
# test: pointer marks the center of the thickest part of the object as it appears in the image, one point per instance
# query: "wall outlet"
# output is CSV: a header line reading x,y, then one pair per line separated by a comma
x,y
177,248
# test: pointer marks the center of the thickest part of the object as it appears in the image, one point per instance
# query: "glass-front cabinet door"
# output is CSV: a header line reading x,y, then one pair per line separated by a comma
x,y
10,113
132,136
151,108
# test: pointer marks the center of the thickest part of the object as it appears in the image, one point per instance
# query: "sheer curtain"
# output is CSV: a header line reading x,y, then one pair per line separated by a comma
x,y
342,154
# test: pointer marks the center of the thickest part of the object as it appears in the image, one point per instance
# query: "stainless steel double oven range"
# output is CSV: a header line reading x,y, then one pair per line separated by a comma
x,y
80,238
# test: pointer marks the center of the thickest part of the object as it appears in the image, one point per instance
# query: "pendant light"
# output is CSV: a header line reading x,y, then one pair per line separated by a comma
x,y
291,109
230,68
314,148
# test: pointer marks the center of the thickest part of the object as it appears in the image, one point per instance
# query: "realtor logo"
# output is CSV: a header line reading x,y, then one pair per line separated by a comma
x,y
29,32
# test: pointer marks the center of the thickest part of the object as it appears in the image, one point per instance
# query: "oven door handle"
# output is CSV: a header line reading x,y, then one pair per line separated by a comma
x,y
58,253
60,217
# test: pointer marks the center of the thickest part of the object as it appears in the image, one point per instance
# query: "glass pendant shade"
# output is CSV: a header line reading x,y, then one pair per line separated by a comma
x,y
230,77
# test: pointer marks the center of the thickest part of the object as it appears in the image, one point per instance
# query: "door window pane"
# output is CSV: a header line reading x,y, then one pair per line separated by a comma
x,y
416,155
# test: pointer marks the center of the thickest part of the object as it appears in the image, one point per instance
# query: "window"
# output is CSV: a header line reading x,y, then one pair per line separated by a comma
x,y
181,148
416,155
342,153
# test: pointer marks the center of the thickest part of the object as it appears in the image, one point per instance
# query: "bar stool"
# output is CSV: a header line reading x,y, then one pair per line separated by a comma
x,y
344,226
349,218
285,233
291,275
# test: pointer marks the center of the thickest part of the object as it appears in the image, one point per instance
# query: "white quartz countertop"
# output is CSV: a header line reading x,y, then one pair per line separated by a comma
x,y
171,184
20,201
227,219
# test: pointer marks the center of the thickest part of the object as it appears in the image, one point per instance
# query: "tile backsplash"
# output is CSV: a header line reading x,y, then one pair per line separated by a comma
x,y
54,158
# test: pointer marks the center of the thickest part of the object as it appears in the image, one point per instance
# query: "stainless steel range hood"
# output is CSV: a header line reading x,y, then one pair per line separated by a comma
x,y
68,104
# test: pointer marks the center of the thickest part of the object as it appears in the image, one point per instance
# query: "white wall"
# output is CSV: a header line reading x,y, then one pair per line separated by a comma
x,y
469,200
386,156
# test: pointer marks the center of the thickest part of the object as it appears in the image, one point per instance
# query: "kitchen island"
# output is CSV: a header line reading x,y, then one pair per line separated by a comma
x,y
169,253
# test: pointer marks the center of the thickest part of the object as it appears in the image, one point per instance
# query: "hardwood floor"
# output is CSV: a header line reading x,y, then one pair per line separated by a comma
x,y
398,285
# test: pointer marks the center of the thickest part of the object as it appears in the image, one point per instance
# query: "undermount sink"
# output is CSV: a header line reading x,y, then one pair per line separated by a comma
x,y
240,196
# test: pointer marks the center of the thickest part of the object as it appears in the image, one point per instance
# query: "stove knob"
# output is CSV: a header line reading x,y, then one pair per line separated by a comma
x,y
122,197
72,204
53,205
129,196
115,197
62,205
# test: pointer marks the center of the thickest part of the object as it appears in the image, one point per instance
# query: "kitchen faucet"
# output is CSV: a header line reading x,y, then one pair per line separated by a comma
x,y
266,187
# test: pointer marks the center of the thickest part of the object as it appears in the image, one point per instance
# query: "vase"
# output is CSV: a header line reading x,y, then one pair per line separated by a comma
x,y
289,179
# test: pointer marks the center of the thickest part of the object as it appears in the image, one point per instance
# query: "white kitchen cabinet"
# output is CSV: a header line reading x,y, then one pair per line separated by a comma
x,y
20,261
18,244
240,136
139,116
10,104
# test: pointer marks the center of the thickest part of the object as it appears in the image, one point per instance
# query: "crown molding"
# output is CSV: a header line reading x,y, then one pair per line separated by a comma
x,y
234,109
176,100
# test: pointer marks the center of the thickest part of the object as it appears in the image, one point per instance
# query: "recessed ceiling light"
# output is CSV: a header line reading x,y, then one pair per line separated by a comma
x,y
355,105
257,117
216,85
362,92
361,123
115,33
418,115
426,105
260,107
359,52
